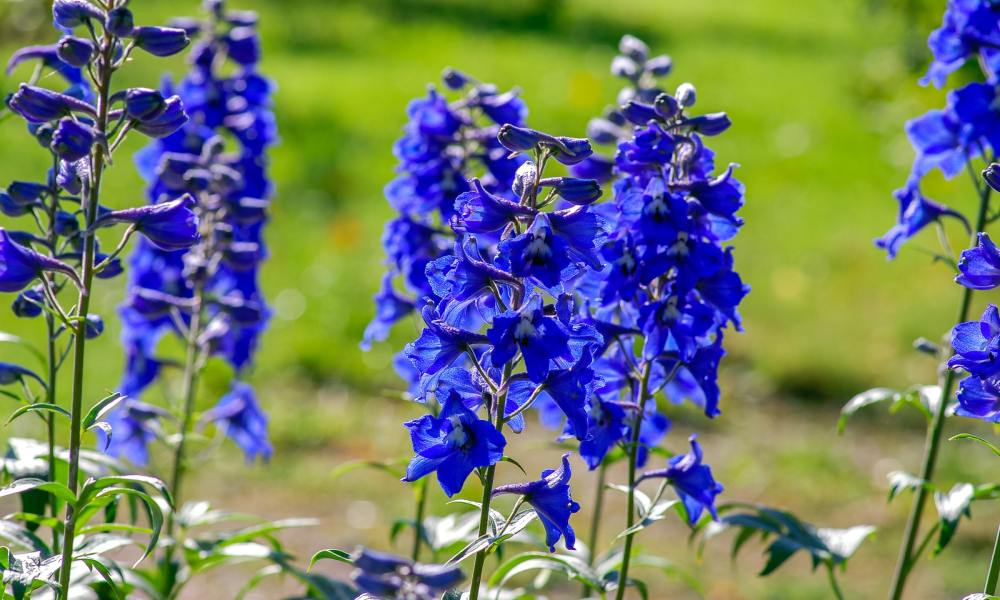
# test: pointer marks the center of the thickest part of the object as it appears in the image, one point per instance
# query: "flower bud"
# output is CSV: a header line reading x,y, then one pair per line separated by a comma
x,y
710,124
143,104
659,66
161,41
75,51
454,79
26,193
666,106
170,120
640,113
94,327
685,95
623,66
518,139
603,131
992,176
243,46
574,190
28,303
10,207
72,139
120,22
39,104
524,178
168,225
66,224
20,265
42,133
72,13
633,48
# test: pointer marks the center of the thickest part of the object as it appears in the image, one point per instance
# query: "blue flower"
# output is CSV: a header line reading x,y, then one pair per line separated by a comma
x,y
453,444
133,427
172,118
979,398
479,211
540,339
550,497
440,344
979,267
239,415
692,481
605,428
75,51
389,308
386,576
168,225
39,105
915,213
538,253
674,325
20,265
68,14
977,344
144,104
566,150
72,139
969,27
160,41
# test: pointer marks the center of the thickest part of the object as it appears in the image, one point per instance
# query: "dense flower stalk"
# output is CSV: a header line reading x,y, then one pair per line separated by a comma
x,y
81,127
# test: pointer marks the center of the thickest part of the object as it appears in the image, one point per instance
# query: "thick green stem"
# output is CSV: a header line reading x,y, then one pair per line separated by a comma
x,y
993,575
83,309
50,421
418,519
633,457
904,563
834,586
484,517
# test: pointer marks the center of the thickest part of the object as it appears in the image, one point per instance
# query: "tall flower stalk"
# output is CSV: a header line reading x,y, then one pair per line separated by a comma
x,y
950,140
83,129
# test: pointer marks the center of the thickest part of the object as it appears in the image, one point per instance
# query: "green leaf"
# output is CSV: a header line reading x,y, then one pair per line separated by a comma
x,y
951,506
392,468
900,481
976,438
924,398
38,407
514,462
95,485
153,511
101,408
330,554
59,490
96,565
571,566
481,543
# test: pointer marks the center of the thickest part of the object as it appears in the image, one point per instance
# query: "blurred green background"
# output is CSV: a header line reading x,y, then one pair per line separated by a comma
x,y
818,92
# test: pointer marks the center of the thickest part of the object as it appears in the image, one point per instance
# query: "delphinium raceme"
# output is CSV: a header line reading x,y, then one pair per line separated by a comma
x,y
952,140
83,128
444,145
206,294
669,288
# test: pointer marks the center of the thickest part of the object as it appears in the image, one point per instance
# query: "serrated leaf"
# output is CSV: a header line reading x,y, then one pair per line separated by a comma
x,y
951,506
330,554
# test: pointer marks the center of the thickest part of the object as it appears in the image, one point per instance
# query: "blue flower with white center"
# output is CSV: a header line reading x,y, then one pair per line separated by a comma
x,y
979,266
550,497
692,480
538,253
539,338
453,444
675,325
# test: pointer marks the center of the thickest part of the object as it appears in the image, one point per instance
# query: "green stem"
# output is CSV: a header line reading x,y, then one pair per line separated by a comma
x,y
50,421
994,573
83,309
418,521
595,521
484,517
906,558
633,456
837,593
189,393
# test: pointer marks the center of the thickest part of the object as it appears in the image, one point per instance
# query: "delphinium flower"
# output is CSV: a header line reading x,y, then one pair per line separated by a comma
x,y
385,576
952,140
200,285
669,288
499,332
80,126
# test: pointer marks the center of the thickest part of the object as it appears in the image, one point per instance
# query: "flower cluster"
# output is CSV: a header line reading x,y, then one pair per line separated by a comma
x,y
444,144
948,139
207,292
